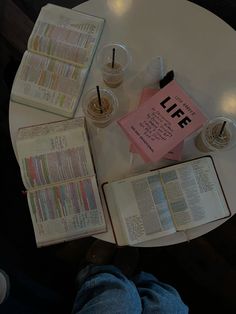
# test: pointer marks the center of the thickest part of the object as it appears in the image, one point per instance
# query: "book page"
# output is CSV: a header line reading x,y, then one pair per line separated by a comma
x,y
65,34
54,152
116,222
66,211
142,208
48,84
194,193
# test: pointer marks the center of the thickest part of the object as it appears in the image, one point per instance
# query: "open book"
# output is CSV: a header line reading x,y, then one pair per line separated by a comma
x,y
58,173
53,70
161,202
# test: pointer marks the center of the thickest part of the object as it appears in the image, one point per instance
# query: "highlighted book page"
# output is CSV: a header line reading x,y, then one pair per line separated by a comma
x,y
44,83
139,206
57,170
54,152
65,34
194,193
53,70
160,202
66,211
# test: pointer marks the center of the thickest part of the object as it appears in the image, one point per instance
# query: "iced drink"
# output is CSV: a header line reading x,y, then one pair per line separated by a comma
x,y
112,76
215,138
113,60
102,114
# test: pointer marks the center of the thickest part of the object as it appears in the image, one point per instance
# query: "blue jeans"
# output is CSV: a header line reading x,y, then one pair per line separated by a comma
x,y
104,289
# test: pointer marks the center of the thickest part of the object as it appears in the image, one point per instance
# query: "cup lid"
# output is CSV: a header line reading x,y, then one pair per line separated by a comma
x,y
122,55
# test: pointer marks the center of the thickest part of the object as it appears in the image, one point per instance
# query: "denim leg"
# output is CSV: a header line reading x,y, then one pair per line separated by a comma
x,y
158,297
104,289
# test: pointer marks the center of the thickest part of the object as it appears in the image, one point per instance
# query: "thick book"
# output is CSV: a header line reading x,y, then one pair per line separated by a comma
x,y
162,122
176,152
60,50
164,201
60,180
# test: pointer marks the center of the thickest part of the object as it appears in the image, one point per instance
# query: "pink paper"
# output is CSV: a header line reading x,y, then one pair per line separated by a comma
x,y
163,122
176,152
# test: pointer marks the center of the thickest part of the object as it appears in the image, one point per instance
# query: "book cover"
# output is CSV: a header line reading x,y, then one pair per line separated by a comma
x,y
163,122
176,152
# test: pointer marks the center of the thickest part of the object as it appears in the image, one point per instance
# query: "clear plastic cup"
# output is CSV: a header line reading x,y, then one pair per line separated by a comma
x,y
113,71
100,115
218,134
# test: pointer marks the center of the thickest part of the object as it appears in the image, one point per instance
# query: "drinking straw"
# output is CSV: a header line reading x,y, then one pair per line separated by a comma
x,y
222,128
99,99
113,57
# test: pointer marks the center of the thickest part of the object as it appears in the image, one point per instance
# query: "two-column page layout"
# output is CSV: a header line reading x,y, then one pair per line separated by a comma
x,y
58,173
53,70
161,202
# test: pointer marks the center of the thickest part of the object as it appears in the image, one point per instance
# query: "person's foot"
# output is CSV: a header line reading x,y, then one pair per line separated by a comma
x,y
100,253
127,260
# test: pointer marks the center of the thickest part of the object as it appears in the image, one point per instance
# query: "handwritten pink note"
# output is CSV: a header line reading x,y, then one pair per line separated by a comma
x,y
162,122
176,152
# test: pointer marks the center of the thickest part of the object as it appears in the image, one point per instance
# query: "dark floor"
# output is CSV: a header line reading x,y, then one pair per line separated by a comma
x,y
42,280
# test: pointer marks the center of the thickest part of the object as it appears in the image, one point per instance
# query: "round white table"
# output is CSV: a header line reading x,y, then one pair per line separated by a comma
x,y
197,45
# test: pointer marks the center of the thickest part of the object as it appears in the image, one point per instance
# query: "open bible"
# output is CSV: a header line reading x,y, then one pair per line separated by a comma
x,y
58,173
59,54
161,202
